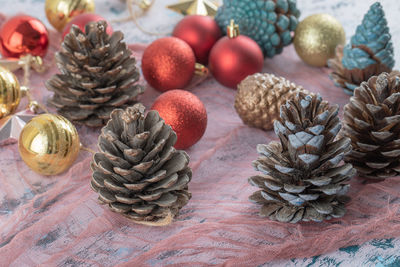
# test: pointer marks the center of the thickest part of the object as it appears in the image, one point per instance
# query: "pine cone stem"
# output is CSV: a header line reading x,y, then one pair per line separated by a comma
x,y
163,222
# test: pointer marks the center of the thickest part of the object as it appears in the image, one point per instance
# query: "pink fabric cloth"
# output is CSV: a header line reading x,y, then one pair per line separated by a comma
x,y
56,221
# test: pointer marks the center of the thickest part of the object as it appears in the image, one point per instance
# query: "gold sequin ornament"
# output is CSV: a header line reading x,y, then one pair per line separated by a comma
x,y
260,96
49,144
316,38
10,92
60,12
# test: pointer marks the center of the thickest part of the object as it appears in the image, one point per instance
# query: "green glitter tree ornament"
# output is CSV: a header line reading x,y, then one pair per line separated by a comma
x,y
369,53
270,23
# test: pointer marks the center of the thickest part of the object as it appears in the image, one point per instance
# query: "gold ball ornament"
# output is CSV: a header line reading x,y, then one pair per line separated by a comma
x,y
316,38
49,144
60,12
10,92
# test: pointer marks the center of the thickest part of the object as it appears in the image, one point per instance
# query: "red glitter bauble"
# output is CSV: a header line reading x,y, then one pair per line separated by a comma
x,y
185,113
200,32
168,63
83,19
21,35
233,59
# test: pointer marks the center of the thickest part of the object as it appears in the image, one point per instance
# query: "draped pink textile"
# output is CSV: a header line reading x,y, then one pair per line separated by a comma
x,y
54,221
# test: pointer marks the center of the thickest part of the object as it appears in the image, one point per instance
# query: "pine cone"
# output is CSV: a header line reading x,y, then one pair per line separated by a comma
x,y
270,23
138,172
98,75
369,53
372,122
302,177
259,97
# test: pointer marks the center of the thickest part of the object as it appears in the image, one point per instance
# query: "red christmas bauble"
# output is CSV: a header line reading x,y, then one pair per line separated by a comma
x,y
83,19
233,59
185,113
200,32
21,35
168,63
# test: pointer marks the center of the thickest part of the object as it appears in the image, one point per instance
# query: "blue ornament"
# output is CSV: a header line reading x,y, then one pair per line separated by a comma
x,y
270,23
369,53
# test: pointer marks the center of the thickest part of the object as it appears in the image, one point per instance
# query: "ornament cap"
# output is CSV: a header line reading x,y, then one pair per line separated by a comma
x,y
145,4
24,91
200,69
232,30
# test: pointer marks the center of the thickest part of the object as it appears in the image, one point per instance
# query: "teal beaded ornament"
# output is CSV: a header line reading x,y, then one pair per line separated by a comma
x,y
369,53
268,22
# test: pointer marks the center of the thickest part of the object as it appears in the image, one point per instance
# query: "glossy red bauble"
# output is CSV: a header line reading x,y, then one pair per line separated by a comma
x,y
200,32
233,59
21,35
185,113
168,63
83,19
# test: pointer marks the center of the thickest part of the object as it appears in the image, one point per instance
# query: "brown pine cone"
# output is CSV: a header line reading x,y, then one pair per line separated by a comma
x,y
302,177
98,75
372,122
138,172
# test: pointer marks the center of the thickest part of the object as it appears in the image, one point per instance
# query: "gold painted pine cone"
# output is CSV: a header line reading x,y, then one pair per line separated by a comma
x,y
302,178
372,122
259,97
98,74
138,173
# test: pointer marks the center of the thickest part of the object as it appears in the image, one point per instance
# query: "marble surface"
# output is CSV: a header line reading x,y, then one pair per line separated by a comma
x,y
383,252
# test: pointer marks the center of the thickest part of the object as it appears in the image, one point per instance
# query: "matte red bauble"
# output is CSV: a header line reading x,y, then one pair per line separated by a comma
x,y
234,57
168,63
185,113
200,32
21,35
83,19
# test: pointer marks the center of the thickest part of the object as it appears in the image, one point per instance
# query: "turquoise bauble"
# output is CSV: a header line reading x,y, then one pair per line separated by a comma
x,y
268,22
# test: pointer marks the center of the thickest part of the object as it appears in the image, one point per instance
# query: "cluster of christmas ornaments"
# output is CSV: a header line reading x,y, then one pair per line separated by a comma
x,y
170,62
302,175
140,171
319,41
48,143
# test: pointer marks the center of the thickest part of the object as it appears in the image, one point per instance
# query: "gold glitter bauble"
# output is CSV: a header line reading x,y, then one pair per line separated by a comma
x,y
316,38
49,144
10,92
259,98
60,12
